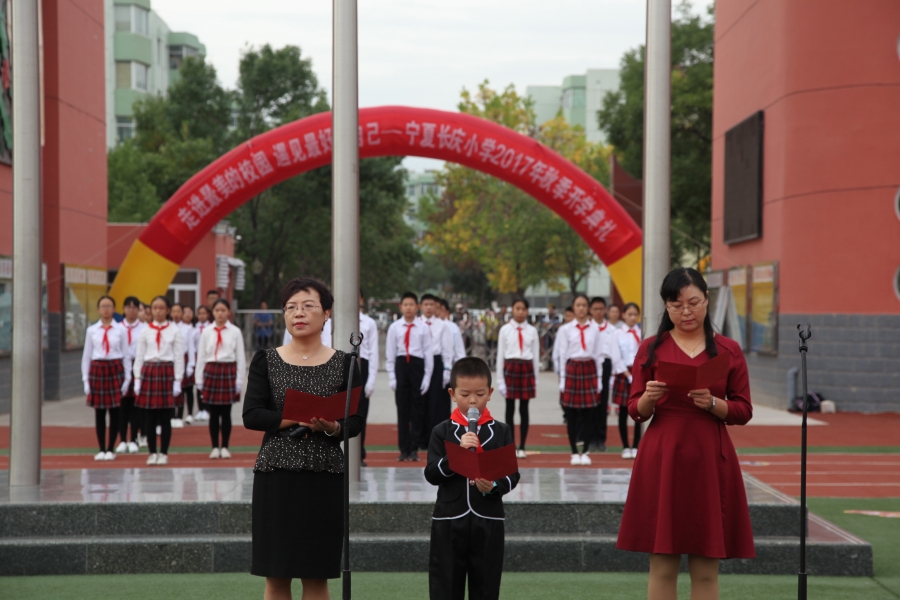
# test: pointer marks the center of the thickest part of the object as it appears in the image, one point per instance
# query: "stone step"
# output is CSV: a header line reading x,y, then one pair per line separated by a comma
x,y
830,551
234,518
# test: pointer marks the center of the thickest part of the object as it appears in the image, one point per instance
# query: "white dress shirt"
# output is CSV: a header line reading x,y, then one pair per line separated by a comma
x,y
369,349
508,349
441,343
95,349
169,349
135,329
326,335
610,346
568,337
190,346
459,347
419,346
629,342
231,350
199,328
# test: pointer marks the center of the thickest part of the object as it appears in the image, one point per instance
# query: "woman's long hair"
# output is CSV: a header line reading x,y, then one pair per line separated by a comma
x,y
671,287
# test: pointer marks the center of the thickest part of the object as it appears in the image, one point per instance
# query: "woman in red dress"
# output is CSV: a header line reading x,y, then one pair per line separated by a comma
x,y
687,494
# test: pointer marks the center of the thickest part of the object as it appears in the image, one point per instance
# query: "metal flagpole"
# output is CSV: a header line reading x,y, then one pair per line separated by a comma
x,y
801,575
657,157
345,188
27,388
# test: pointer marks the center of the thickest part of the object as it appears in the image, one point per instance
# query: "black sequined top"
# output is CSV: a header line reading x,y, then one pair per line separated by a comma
x,y
270,377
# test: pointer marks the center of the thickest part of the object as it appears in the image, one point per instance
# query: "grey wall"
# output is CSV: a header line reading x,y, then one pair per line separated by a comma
x,y
852,359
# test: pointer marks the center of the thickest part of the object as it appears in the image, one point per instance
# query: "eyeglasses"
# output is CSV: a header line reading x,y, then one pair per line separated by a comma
x,y
305,308
691,307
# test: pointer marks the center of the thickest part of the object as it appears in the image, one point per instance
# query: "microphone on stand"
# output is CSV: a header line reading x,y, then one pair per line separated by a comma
x,y
473,415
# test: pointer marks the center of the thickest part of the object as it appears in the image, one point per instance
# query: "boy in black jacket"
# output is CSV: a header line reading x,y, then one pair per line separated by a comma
x,y
467,524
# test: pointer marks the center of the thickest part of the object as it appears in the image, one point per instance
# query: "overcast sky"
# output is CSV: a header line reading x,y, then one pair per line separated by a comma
x,y
419,52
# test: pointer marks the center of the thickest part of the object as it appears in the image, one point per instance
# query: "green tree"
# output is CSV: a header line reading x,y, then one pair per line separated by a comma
x,y
622,119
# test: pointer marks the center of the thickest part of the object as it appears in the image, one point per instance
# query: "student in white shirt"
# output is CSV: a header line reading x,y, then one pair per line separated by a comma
x,y
581,360
185,412
176,315
103,371
437,402
221,372
611,365
128,414
409,363
568,317
459,346
629,341
158,371
614,316
204,320
518,363
368,366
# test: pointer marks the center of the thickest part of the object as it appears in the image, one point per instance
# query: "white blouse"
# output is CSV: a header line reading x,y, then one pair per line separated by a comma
x,y
160,343
198,331
441,339
629,342
569,338
116,347
190,345
230,350
610,345
419,346
135,330
508,346
369,347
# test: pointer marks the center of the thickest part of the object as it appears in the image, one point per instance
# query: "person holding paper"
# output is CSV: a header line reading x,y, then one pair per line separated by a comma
x,y
467,532
297,480
687,493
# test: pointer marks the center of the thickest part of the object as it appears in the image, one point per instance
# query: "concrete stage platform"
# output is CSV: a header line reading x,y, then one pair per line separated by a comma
x,y
93,521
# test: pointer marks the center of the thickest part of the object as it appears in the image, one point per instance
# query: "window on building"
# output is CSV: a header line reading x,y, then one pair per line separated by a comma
x,y
132,19
141,75
123,18
176,56
132,75
124,128
743,180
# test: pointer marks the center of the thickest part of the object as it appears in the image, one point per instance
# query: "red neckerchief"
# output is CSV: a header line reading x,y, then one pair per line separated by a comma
x,y
159,331
106,329
636,337
581,329
218,340
457,417
409,327
521,341
604,326
129,328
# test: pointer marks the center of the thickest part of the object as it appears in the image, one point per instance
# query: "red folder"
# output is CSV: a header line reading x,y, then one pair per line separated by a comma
x,y
689,377
302,407
490,464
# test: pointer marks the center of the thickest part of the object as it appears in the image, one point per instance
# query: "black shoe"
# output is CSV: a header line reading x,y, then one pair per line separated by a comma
x,y
599,448
362,463
403,457
414,457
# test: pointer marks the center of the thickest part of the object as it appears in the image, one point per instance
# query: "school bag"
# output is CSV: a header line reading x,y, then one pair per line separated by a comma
x,y
813,403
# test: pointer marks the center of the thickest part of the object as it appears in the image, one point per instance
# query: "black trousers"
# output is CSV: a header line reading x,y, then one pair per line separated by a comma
x,y
363,409
574,418
219,412
523,419
188,401
100,426
623,429
163,418
469,546
437,406
129,415
410,405
601,409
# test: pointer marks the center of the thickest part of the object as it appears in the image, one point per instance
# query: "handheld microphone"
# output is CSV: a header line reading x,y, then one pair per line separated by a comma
x,y
473,415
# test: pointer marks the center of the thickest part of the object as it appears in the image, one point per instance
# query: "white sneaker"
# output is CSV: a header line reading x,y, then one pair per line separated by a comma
x,y
215,453
142,441
153,459
521,454
177,424
576,460
203,416
109,456
626,453
122,447
188,420
159,430
585,460
225,453
100,456
634,453
132,448
162,459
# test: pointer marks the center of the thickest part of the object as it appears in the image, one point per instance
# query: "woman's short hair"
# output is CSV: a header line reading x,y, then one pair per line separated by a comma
x,y
307,284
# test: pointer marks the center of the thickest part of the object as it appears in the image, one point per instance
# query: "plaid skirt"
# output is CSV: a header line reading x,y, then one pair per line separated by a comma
x,y
157,379
106,378
621,390
581,384
219,380
519,377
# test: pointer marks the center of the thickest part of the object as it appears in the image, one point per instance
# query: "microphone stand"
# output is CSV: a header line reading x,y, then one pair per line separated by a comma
x,y
355,341
801,583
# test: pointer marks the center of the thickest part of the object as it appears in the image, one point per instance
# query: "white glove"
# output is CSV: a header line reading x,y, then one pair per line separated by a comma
x,y
501,387
190,371
176,388
87,388
392,383
125,386
370,387
446,378
238,387
199,386
137,387
425,385
562,384
630,379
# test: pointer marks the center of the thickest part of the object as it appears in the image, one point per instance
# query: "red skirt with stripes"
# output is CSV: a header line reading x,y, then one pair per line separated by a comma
x,y
581,384
219,381
519,377
621,390
157,379
106,378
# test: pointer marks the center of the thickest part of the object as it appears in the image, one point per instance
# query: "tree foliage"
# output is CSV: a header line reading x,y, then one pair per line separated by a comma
x,y
622,119
496,228
287,228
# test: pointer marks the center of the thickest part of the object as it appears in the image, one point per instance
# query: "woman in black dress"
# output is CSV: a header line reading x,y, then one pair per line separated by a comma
x,y
298,481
